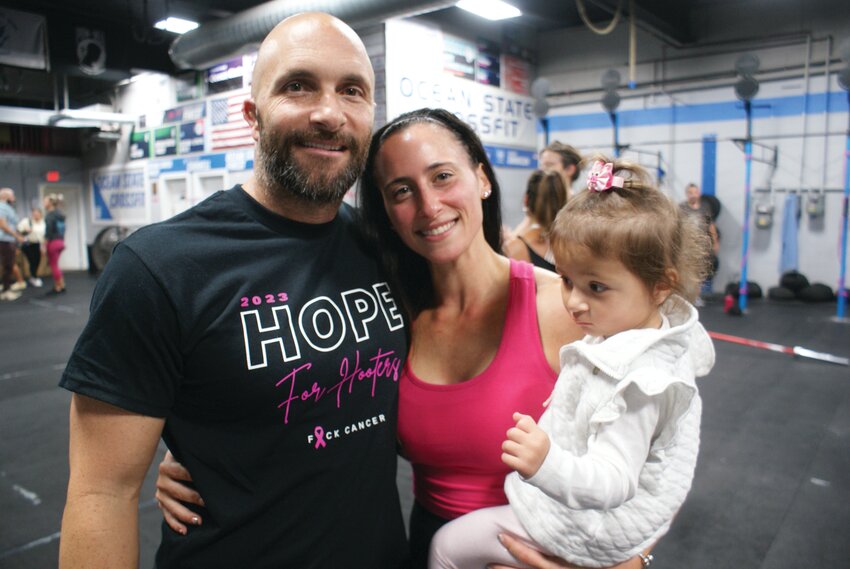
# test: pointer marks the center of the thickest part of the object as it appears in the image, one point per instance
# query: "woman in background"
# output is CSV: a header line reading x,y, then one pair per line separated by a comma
x,y
546,194
562,159
54,235
33,228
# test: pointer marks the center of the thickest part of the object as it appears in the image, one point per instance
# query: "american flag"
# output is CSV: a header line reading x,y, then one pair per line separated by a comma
x,y
228,127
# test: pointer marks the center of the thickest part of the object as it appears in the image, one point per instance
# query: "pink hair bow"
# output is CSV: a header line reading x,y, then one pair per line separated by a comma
x,y
601,177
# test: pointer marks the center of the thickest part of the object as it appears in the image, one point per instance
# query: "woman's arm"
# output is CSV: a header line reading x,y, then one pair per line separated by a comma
x,y
171,492
537,560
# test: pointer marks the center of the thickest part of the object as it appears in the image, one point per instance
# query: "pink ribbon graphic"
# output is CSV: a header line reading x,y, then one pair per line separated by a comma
x,y
601,177
320,437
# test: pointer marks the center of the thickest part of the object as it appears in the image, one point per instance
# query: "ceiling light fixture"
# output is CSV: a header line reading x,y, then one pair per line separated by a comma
x,y
490,9
176,25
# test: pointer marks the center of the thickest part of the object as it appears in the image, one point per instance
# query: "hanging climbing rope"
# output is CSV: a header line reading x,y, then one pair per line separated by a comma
x,y
582,12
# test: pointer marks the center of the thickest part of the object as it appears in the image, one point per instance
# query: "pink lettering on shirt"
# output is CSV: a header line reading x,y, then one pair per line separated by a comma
x,y
381,366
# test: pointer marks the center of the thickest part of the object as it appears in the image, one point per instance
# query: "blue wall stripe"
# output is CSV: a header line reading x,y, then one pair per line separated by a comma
x,y
709,164
705,112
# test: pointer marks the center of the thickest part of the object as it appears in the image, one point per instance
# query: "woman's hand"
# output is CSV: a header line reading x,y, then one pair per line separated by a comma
x,y
537,560
170,492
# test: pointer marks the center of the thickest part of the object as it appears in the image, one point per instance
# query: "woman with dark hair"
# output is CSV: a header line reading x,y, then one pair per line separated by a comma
x,y
545,194
485,330
403,261
484,336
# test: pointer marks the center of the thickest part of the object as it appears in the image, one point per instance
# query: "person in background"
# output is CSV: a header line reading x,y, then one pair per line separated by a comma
x,y
18,271
9,238
33,228
54,236
18,267
485,330
600,476
563,159
556,157
695,204
545,195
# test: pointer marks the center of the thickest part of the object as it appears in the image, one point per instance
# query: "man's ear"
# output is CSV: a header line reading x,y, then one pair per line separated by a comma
x,y
249,112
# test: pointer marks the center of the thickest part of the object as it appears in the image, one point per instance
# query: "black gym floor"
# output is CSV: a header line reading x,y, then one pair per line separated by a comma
x,y
772,488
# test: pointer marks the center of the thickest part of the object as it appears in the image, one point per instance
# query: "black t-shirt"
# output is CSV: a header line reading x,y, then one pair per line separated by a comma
x,y
273,350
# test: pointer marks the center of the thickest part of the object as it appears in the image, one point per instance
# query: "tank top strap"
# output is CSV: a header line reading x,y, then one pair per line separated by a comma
x,y
521,270
521,328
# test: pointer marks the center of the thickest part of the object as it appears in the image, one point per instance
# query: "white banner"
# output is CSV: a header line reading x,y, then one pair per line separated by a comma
x,y
416,79
22,39
119,197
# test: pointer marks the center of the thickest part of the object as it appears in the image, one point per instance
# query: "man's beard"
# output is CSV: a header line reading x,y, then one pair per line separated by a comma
x,y
280,173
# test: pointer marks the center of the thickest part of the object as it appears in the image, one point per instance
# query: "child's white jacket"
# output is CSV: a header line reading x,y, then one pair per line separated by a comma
x,y
589,393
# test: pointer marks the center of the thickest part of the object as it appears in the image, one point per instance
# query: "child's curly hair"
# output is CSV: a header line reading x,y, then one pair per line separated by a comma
x,y
639,226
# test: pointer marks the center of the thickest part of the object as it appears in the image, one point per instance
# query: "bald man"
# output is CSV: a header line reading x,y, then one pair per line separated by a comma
x,y
9,239
255,334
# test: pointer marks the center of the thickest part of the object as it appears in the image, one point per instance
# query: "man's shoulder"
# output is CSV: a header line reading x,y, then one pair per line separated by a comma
x,y
201,221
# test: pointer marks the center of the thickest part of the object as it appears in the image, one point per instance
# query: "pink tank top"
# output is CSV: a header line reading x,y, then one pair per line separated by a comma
x,y
453,434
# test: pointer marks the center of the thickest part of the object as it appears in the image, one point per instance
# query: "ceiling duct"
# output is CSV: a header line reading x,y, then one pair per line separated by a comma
x,y
85,117
214,42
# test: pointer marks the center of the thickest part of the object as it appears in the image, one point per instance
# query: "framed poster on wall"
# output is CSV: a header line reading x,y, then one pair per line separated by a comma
x,y
140,144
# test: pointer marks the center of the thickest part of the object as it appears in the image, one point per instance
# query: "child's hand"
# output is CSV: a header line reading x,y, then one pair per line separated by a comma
x,y
526,447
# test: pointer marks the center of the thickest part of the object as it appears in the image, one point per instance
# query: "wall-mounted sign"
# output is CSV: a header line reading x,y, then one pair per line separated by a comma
x,y
511,157
488,67
119,197
517,74
165,141
226,76
184,113
191,137
417,78
459,57
189,86
140,144
201,163
91,51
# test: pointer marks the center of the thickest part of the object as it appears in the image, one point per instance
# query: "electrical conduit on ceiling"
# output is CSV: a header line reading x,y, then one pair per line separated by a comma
x,y
214,42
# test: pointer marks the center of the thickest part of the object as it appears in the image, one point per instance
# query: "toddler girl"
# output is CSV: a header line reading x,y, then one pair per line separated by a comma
x,y
600,478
